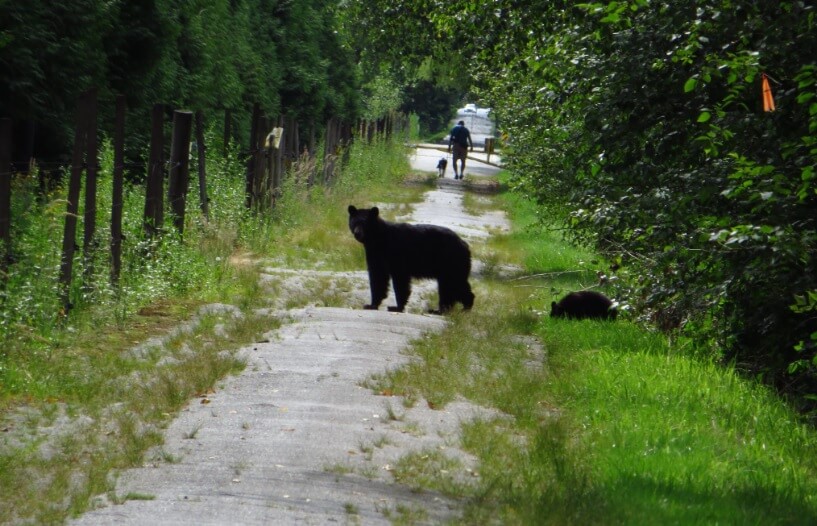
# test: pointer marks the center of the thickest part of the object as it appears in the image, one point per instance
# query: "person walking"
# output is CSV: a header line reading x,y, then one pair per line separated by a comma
x,y
460,139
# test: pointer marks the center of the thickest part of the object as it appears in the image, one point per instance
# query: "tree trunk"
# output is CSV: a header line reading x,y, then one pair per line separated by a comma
x,y
250,181
5,193
69,242
200,150
89,241
116,201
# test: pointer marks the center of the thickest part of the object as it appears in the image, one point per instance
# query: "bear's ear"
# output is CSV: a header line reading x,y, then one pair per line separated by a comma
x,y
352,209
374,213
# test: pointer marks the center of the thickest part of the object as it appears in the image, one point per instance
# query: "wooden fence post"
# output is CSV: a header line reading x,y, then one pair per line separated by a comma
x,y
295,142
310,180
371,130
346,138
259,155
200,151
489,147
69,241
285,155
250,181
275,147
179,177
327,149
291,140
228,120
116,201
154,199
89,242
5,193
330,153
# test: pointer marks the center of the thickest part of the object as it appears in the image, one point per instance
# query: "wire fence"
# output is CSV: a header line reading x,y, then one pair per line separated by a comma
x,y
276,148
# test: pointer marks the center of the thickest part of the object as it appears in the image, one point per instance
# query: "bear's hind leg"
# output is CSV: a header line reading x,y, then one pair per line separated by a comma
x,y
465,295
402,291
447,298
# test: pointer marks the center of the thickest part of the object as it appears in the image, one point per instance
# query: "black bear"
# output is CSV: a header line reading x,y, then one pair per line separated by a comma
x,y
401,251
584,304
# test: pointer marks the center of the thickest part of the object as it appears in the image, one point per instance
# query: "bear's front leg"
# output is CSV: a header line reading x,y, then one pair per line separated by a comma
x,y
379,286
402,291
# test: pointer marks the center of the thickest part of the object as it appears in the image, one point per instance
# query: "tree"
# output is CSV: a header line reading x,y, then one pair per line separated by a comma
x,y
50,48
406,62
201,54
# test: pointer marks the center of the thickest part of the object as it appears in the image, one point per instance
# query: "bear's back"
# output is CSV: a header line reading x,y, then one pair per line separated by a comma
x,y
584,304
425,250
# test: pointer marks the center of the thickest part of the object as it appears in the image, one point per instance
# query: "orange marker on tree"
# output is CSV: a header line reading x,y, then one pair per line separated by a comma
x,y
768,100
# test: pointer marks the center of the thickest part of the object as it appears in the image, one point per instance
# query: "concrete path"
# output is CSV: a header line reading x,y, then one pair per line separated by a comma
x,y
296,438
444,207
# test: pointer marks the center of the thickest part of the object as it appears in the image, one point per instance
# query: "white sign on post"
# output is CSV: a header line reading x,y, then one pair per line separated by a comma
x,y
274,138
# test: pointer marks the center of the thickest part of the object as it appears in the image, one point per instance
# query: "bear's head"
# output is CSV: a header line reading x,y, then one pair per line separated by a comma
x,y
556,310
363,222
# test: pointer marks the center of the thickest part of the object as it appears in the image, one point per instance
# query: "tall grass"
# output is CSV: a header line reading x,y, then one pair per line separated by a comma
x,y
89,374
196,267
34,324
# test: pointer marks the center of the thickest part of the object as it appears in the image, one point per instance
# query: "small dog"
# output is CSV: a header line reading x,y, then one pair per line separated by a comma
x,y
441,166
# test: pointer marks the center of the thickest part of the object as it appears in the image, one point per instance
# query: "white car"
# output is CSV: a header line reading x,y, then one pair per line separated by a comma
x,y
471,109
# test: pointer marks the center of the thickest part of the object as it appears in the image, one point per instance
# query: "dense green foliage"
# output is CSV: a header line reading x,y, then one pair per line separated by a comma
x,y
397,45
203,55
643,121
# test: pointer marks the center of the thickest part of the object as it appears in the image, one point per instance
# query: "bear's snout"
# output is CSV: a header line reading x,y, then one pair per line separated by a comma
x,y
358,233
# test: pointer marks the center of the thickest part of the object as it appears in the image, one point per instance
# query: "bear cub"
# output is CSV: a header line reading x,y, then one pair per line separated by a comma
x,y
584,304
400,252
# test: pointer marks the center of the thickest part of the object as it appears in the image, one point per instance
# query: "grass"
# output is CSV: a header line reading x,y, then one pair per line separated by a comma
x,y
605,423
608,423
113,416
422,470
403,515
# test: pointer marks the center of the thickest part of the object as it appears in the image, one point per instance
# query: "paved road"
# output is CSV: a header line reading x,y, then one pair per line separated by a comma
x,y
295,438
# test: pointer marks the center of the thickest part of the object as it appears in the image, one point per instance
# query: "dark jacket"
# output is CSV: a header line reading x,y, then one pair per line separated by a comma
x,y
460,135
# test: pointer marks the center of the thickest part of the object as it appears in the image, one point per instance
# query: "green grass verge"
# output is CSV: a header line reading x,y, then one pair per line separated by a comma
x,y
608,423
